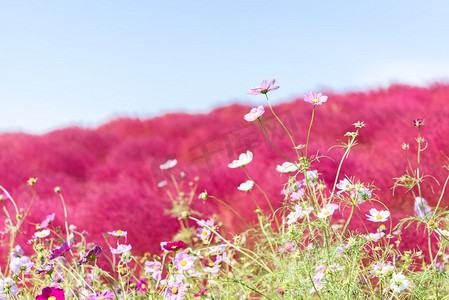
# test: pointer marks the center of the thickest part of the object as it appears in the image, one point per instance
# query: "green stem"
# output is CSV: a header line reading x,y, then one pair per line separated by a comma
x,y
310,129
271,143
283,126
227,205
265,196
349,220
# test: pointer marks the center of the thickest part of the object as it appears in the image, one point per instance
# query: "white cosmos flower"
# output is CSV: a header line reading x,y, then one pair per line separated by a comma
x,y
442,232
398,282
327,211
287,167
118,233
374,236
382,269
42,234
168,164
121,249
378,215
298,213
244,159
162,184
246,186
344,186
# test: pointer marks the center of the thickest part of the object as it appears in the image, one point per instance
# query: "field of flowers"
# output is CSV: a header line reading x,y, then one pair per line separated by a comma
x,y
329,196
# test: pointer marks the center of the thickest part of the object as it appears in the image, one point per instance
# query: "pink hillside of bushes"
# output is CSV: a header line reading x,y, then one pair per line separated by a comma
x,y
109,175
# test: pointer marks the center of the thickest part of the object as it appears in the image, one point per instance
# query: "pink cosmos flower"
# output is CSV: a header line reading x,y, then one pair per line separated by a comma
x,y
327,211
314,98
51,293
287,247
254,114
153,268
264,87
176,291
183,261
50,218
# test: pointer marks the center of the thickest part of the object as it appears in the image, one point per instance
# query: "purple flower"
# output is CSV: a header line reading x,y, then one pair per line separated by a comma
x,y
254,114
17,252
264,87
422,208
91,255
8,288
45,268
60,251
51,293
101,296
418,123
314,98
21,264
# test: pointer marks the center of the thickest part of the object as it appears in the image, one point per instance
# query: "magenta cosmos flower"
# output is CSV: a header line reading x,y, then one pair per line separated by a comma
x,y
264,87
50,293
314,98
254,114
173,246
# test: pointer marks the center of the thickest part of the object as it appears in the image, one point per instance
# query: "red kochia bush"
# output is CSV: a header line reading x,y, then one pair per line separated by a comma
x,y
109,175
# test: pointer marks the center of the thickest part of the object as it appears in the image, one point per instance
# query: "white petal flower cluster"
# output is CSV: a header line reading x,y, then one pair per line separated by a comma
x,y
244,159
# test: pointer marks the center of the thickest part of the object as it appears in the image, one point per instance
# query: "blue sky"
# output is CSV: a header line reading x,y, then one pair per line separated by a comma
x,y
85,62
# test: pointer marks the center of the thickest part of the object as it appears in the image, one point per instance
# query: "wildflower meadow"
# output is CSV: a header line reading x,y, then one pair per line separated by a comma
x,y
306,200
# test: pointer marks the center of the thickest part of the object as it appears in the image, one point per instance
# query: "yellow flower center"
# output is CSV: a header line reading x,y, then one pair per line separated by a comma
x,y
326,212
119,232
183,262
378,217
143,286
211,264
204,232
174,290
155,267
315,100
51,298
382,227
99,298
